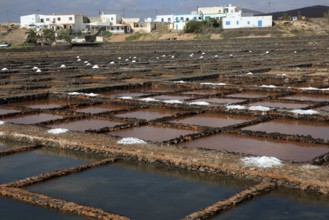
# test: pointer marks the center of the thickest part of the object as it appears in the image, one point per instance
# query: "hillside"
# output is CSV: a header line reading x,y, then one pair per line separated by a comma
x,y
316,11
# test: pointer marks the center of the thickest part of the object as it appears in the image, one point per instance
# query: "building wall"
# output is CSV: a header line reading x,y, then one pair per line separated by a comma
x,y
71,22
185,18
247,22
111,19
164,18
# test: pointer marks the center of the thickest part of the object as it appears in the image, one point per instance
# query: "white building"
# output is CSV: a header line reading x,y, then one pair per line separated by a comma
x,y
247,22
71,22
164,18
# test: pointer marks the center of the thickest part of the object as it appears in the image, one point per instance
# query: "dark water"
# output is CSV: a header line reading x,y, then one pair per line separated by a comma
x,y
294,127
33,119
171,97
16,210
324,108
214,120
86,124
285,150
282,204
140,191
19,166
150,133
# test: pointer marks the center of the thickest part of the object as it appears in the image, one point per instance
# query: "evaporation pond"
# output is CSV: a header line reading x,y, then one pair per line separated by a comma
x,y
221,100
283,205
274,104
99,109
201,92
86,124
12,209
33,119
44,104
284,150
141,191
294,127
148,114
324,108
305,97
19,166
251,95
117,94
214,120
7,111
152,133
171,97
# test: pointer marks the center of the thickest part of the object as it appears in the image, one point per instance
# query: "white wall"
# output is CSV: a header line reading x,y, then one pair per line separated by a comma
x,y
164,18
247,22
109,18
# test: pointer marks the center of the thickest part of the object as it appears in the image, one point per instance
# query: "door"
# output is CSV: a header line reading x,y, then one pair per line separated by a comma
x,y
260,23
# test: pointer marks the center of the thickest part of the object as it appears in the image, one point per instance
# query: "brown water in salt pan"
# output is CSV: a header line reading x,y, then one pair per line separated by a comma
x,y
117,94
171,97
284,150
324,108
99,109
44,104
251,95
7,111
274,104
214,120
86,124
148,114
200,92
33,119
221,100
152,133
294,127
305,97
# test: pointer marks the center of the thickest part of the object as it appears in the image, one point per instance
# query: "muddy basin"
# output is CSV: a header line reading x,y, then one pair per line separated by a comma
x,y
284,150
214,120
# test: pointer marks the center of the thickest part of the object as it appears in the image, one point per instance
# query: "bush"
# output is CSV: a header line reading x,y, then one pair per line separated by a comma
x,y
203,27
193,27
48,36
64,35
107,34
135,36
32,37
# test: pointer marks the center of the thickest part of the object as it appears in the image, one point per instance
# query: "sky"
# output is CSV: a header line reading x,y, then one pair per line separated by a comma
x,y
12,9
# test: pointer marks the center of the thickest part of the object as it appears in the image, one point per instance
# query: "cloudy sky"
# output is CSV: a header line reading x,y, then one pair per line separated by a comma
x,y
12,9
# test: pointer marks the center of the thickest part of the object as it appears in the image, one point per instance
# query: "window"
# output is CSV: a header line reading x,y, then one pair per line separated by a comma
x,y
237,22
47,19
112,28
195,18
118,28
248,22
228,23
42,20
70,18
182,18
162,19
169,19
187,19
58,19
122,28
111,18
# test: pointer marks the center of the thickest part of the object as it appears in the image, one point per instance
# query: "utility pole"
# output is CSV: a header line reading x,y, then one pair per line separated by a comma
x,y
123,12
269,7
38,11
99,12
156,12
7,12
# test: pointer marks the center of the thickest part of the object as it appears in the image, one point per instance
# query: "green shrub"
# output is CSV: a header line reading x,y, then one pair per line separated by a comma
x,y
193,27
64,35
135,36
107,34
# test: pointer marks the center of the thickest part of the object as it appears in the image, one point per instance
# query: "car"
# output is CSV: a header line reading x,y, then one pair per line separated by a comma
x,y
5,44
